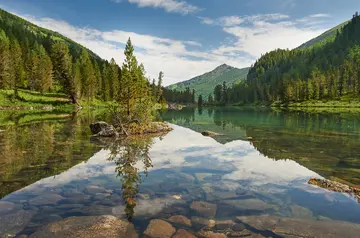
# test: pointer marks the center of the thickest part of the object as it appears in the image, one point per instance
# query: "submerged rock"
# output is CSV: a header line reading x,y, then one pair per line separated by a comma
x,y
203,221
13,223
209,133
6,207
291,227
211,234
87,227
183,234
159,229
179,219
46,199
249,204
104,129
204,209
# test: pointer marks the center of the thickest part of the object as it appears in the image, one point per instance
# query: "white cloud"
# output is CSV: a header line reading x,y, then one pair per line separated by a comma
x,y
157,54
249,37
175,6
255,35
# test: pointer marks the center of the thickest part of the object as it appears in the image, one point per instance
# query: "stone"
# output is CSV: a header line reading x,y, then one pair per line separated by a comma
x,y
238,227
223,225
103,129
243,233
92,189
183,234
69,206
144,196
6,207
204,209
209,133
46,199
13,223
262,222
301,212
306,228
159,229
291,227
211,234
88,227
203,221
249,204
179,219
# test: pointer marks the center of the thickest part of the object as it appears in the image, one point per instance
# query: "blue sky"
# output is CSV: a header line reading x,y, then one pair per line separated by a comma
x,y
186,38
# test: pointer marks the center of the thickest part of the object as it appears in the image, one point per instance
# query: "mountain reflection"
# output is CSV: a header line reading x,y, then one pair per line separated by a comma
x,y
127,153
326,143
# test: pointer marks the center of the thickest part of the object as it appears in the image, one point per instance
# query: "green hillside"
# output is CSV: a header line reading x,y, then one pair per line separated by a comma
x,y
204,84
323,38
327,72
37,60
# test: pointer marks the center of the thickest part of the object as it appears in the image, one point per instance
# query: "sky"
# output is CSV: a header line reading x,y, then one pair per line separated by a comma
x,y
186,38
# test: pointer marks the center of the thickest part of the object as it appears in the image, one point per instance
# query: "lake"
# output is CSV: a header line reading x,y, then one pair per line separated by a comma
x,y
51,169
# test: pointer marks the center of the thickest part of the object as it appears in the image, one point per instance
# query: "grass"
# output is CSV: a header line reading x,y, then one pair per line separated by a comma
x,y
33,100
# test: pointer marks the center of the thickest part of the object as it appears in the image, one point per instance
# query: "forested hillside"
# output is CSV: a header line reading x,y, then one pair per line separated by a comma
x,y
329,71
204,84
37,59
324,37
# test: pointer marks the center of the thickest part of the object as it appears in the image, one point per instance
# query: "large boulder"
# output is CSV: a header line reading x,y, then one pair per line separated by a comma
x,y
291,227
204,209
159,229
103,129
13,223
88,227
179,219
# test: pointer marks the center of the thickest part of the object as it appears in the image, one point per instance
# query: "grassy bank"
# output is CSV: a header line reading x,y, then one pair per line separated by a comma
x,y
33,100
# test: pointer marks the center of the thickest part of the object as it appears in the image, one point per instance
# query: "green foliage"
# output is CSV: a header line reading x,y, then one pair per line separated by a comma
x,y
204,84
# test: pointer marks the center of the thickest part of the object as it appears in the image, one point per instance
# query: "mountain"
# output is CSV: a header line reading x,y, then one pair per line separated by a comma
x,y
325,37
204,84
330,71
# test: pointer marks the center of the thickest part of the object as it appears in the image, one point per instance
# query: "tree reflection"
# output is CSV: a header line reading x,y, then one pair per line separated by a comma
x,y
129,155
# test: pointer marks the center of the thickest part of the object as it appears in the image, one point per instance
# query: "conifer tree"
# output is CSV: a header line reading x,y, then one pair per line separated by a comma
x,y
5,80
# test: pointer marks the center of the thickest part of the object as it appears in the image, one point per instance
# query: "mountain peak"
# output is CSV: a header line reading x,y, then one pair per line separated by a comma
x,y
224,66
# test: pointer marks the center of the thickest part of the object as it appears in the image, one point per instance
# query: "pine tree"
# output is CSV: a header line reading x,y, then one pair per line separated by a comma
x,y
88,79
200,101
17,67
5,79
114,79
62,67
159,85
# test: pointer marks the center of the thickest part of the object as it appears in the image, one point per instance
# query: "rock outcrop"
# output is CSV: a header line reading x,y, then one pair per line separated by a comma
x,y
335,186
103,129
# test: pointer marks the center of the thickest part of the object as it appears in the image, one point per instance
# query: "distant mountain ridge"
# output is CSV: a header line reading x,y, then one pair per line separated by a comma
x,y
324,37
204,84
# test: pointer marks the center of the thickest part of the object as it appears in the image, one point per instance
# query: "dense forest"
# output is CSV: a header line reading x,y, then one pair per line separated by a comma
x,y
186,96
329,70
38,59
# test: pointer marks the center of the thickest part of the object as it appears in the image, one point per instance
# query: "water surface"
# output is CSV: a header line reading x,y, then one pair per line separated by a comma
x,y
258,165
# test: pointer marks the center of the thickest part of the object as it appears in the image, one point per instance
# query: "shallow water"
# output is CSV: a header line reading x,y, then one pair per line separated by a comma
x,y
258,165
